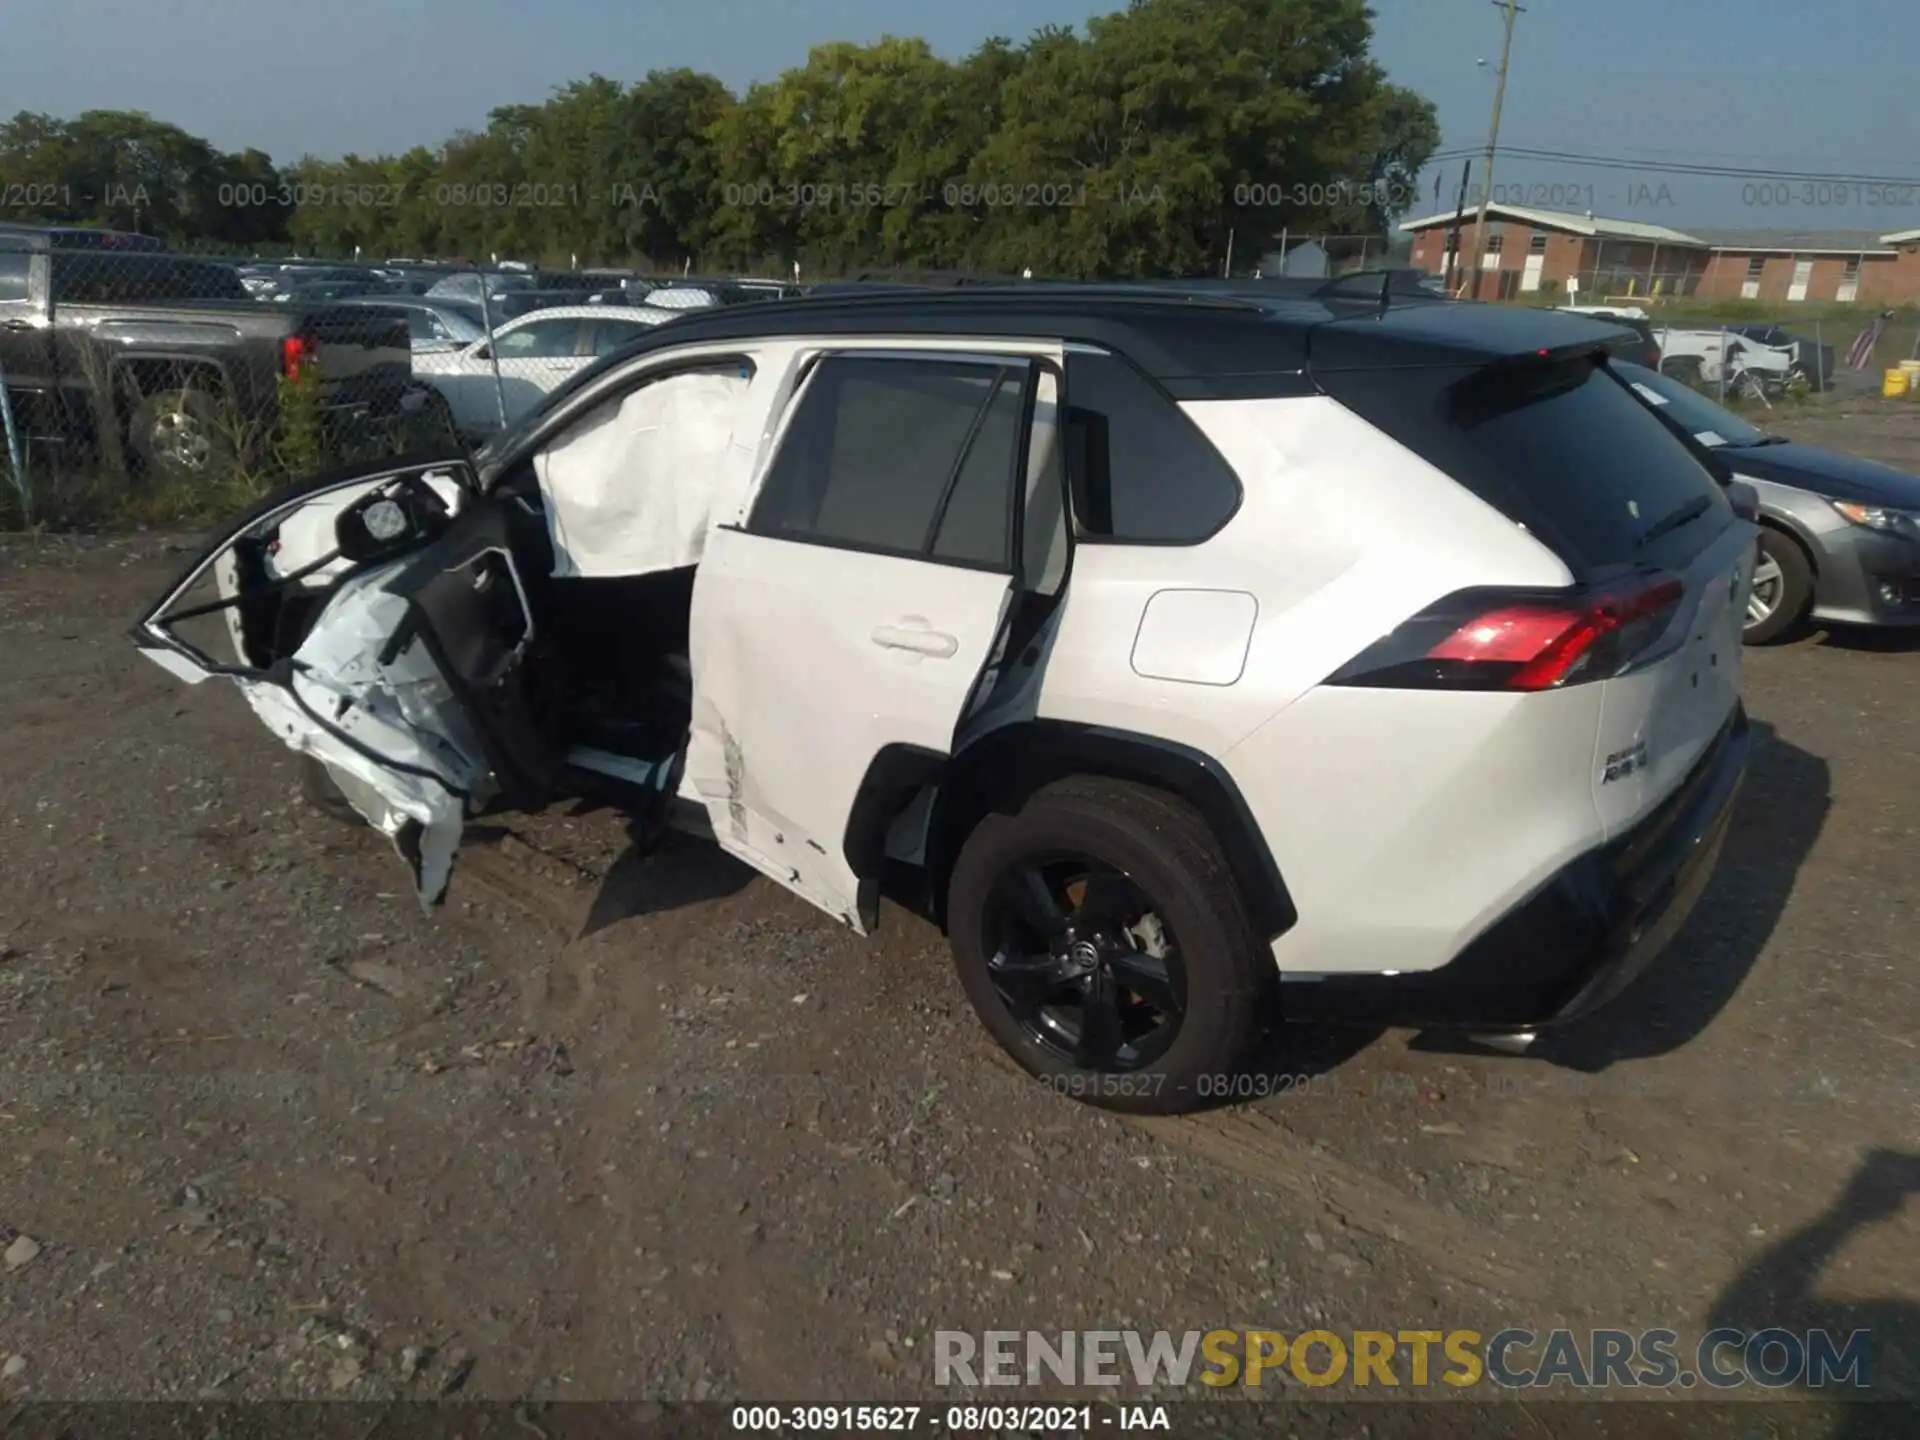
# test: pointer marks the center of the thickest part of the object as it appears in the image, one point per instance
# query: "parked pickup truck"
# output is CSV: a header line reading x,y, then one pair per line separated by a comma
x,y
167,354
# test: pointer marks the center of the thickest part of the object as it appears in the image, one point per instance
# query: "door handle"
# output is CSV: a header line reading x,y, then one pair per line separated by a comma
x,y
921,641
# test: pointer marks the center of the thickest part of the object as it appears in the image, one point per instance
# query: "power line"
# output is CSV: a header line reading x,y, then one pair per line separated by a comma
x,y
1675,167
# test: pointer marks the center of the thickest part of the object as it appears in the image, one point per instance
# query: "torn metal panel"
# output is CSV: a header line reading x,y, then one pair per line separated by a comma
x,y
392,735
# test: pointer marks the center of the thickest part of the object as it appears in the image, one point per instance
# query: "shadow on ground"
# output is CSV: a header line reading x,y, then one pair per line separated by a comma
x,y
659,873
1780,1289
1888,641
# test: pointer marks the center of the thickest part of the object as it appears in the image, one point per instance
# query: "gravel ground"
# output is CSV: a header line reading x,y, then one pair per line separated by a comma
x,y
614,1127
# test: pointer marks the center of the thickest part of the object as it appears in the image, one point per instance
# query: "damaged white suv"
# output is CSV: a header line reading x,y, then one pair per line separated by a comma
x,y
1195,659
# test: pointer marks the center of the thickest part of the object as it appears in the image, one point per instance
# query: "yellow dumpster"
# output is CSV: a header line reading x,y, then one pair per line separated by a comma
x,y
1896,383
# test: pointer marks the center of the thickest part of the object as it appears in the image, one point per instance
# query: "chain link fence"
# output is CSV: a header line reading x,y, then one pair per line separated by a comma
x,y
140,383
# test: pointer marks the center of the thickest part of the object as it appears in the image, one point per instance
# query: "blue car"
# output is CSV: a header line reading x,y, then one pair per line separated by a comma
x,y
1839,536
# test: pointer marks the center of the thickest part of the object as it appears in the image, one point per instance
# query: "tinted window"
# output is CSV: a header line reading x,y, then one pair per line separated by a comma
x,y
14,265
1139,470
1563,448
94,278
977,525
542,340
610,335
876,447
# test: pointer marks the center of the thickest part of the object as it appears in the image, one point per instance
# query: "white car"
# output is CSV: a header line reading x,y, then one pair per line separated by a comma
x,y
1713,356
535,353
1195,661
1625,312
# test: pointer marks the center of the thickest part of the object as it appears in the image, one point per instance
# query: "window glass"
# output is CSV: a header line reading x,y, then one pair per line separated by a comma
x,y
92,277
545,340
1139,470
14,265
1563,448
611,335
875,443
978,522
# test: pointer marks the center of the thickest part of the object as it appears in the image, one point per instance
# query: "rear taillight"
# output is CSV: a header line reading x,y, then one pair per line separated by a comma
x,y
296,353
1520,640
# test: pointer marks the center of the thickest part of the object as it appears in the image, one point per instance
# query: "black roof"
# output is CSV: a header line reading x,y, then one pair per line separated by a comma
x,y
1237,340
1199,339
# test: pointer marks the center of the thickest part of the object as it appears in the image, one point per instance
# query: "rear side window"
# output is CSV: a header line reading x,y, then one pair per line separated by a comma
x,y
1138,469
1562,448
542,340
14,265
901,456
99,278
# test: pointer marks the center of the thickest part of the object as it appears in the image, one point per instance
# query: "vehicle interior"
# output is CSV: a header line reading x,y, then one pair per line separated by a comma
x,y
607,679
588,684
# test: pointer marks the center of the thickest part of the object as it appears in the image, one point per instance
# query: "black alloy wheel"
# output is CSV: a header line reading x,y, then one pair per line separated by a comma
x,y
1084,964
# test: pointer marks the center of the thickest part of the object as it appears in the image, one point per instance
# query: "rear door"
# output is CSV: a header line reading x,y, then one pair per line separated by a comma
x,y
855,603
408,670
26,352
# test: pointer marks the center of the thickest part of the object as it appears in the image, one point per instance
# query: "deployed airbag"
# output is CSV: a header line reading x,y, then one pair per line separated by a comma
x,y
633,489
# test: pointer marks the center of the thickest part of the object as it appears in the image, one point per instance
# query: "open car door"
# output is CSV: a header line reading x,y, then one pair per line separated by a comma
x,y
377,621
846,618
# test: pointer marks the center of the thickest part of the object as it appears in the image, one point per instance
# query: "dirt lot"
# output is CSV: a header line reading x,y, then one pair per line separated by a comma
x,y
608,1126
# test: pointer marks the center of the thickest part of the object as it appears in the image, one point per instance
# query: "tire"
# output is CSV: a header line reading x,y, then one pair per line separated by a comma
x,y
1134,839
178,435
432,425
317,788
1782,554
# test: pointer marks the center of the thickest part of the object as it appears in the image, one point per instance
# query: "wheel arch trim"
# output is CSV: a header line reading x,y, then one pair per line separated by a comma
x,y
1001,768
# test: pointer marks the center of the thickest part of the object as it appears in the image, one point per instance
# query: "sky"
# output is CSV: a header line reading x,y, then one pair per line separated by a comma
x,y
1788,88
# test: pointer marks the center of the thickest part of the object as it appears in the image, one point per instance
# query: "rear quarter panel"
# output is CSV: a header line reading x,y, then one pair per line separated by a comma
x,y
1402,822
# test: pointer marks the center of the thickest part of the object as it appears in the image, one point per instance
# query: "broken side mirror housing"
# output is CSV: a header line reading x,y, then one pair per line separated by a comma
x,y
390,521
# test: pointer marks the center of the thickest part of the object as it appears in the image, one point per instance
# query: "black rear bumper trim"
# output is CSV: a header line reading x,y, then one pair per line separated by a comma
x,y
1580,939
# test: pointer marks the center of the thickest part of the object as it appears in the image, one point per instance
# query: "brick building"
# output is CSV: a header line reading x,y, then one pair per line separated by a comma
x,y
1555,252
1529,251
1851,266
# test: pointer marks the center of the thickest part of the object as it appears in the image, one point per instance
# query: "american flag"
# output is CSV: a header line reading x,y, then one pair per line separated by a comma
x,y
1861,355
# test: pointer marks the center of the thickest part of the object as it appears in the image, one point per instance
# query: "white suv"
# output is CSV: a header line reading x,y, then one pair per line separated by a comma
x,y
1195,659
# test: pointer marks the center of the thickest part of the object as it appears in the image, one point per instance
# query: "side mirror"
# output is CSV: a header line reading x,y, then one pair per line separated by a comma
x,y
390,521
1744,498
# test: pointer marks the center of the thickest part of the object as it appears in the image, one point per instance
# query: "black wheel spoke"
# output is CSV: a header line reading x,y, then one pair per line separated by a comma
x,y
1034,903
1025,980
1065,933
1100,1032
1147,978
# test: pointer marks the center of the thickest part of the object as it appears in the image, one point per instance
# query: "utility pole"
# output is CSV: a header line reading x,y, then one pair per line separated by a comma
x,y
1453,233
1513,10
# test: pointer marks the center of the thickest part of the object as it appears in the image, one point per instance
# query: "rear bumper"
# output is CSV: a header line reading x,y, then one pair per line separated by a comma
x,y
1580,939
